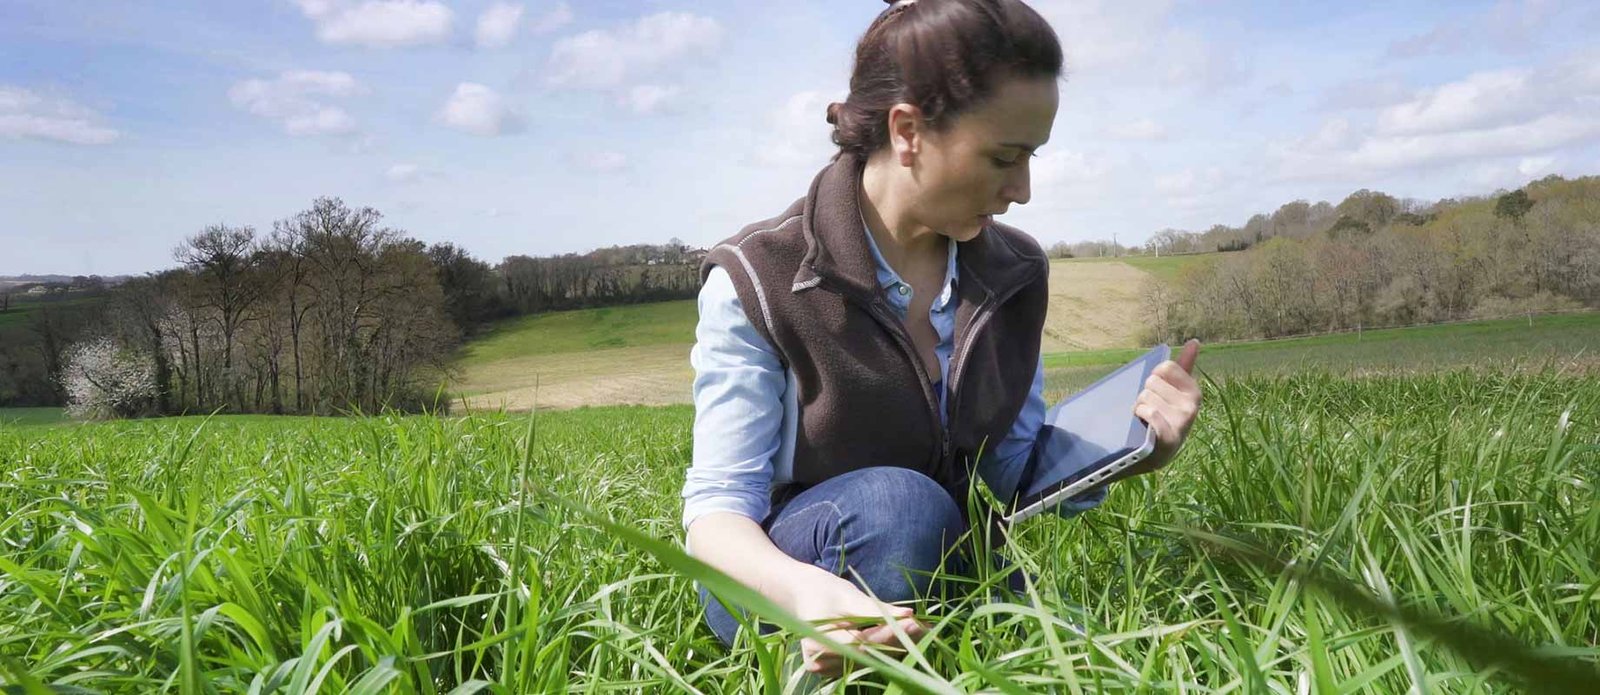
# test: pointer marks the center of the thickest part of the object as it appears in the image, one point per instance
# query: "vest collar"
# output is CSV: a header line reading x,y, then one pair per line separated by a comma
x,y
837,250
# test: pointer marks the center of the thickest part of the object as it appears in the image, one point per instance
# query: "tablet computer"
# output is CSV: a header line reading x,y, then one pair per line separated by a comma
x,y
1088,438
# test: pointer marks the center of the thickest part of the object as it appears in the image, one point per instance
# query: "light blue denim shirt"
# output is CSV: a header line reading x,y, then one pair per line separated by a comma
x,y
746,411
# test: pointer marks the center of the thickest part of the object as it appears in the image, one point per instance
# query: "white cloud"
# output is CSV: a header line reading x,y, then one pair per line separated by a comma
x,y
297,100
1534,166
1067,168
1334,134
796,133
1484,98
1192,62
24,114
558,16
1191,182
1518,112
477,109
410,172
1364,93
1539,135
605,59
603,162
497,26
648,98
1138,43
1507,26
1102,34
380,23
403,173
1142,129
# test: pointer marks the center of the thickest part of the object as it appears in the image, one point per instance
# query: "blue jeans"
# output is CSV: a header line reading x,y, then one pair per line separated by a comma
x,y
884,528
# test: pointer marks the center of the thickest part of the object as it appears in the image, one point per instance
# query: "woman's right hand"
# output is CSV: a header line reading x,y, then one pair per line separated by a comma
x,y
819,595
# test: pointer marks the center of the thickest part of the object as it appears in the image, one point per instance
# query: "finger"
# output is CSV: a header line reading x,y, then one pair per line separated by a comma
x,y
1165,434
828,666
1149,397
887,635
1191,350
833,631
895,612
1172,373
1183,405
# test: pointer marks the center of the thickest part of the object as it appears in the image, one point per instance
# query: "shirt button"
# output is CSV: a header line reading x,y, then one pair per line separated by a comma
x,y
905,290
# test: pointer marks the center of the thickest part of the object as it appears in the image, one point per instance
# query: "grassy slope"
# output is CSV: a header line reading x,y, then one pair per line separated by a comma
x,y
662,323
637,325
637,353
1164,267
1562,339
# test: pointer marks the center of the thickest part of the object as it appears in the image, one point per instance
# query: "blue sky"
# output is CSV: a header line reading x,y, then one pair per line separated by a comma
x,y
544,127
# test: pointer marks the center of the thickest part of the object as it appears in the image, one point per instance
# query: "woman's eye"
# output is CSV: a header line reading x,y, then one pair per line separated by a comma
x,y
1003,163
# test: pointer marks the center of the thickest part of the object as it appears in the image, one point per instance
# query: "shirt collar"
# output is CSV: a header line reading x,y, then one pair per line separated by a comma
x,y
887,278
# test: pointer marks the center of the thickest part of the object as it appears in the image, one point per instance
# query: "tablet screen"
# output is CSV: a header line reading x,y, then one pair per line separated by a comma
x,y
1090,429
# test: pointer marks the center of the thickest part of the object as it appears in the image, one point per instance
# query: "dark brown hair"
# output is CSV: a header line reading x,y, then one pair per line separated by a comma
x,y
945,57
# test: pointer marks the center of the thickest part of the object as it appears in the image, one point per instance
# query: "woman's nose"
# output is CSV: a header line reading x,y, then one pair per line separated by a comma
x,y
1017,190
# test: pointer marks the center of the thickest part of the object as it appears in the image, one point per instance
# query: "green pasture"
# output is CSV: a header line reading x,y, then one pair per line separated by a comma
x,y
1163,267
584,330
18,417
1571,340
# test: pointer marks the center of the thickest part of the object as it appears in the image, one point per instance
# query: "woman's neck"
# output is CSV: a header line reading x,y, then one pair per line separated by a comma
x,y
885,207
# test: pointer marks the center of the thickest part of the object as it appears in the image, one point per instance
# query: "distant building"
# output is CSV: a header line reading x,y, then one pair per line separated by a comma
x,y
38,289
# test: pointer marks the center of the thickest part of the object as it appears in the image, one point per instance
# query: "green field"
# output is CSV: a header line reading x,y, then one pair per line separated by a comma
x,y
638,353
584,330
22,305
1571,340
1164,267
31,416
1440,527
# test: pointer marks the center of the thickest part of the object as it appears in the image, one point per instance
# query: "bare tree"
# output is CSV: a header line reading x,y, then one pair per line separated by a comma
x,y
222,259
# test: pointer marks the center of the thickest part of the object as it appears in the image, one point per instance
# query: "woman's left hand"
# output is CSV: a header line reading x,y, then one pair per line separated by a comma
x,y
1169,403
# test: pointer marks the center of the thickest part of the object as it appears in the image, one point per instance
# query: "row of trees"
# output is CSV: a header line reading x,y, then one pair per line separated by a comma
x,y
1373,260
329,311
1361,212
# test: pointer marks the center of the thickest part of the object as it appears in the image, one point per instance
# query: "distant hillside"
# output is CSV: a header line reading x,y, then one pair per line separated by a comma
x,y
8,281
640,353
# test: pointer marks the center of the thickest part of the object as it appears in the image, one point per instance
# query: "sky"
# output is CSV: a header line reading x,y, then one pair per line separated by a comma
x,y
546,127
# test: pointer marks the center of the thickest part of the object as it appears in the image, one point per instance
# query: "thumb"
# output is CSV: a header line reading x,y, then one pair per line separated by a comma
x,y
1191,350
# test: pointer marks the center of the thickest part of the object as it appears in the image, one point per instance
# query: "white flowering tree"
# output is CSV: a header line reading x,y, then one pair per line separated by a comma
x,y
104,380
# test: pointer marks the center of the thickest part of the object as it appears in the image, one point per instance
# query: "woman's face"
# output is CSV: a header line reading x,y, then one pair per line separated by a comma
x,y
977,166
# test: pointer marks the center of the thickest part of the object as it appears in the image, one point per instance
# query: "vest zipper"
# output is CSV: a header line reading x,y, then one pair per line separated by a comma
x,y
958,362
898,330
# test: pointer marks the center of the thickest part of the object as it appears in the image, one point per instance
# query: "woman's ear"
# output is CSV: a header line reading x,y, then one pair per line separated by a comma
x,y
905,133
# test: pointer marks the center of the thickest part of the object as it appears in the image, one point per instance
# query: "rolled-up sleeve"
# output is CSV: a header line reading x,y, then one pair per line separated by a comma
x,y
738,408
1003,467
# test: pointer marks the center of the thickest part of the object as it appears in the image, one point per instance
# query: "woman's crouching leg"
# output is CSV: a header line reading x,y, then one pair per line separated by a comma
x,y
886,529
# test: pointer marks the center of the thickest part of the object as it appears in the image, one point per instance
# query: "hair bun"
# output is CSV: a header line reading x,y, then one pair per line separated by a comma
x,y
833,113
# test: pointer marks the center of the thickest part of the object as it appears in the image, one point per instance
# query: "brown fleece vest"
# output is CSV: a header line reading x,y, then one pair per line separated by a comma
x,y
809,285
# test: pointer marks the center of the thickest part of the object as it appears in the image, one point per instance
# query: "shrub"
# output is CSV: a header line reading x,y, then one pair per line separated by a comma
x,y
104,380
1542,303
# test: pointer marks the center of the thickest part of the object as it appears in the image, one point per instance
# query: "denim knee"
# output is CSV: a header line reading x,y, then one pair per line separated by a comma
x,y
898,530
886,529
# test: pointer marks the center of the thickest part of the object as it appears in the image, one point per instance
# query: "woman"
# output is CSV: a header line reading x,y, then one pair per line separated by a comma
x,y
856,352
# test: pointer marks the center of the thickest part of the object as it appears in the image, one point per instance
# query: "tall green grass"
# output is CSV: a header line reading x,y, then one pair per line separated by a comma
x,y
1321,533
